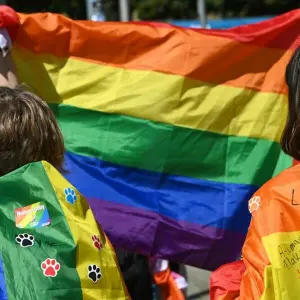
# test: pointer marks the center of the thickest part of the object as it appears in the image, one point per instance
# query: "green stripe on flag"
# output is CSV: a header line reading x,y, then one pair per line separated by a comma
x,y
165,148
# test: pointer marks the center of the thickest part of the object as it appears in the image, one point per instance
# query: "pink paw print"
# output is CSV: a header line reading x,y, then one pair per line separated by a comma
x,y
97,242
50,267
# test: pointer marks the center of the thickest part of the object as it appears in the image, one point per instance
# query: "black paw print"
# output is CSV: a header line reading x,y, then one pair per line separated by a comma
x,y
25,240
94,273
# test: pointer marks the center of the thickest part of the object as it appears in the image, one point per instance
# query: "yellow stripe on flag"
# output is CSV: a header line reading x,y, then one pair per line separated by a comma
x,y
155,96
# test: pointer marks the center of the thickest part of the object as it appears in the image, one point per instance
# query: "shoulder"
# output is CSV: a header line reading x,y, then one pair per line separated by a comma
x,y
288,176
277,201
282,185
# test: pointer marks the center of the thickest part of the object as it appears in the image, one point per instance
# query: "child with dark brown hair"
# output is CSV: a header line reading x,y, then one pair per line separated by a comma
x,y
28,131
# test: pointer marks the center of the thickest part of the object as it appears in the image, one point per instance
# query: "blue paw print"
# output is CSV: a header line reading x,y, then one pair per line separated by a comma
x,y
70,195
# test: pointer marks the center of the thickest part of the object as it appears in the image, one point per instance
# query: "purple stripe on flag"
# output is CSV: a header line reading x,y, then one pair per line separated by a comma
x,y
151,234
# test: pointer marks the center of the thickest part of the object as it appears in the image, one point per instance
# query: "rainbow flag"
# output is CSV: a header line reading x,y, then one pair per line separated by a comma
x,y
168,131
51,246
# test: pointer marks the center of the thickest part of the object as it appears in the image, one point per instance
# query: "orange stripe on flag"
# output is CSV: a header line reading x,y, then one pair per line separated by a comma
x,y
208,58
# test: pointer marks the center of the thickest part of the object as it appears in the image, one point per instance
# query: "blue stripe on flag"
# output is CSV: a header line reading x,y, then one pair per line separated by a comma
x,y
208,203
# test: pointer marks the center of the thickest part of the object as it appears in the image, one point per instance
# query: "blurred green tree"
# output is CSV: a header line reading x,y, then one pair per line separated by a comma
x,y
258,7
111,10
160,9
75,9
186,9
166,9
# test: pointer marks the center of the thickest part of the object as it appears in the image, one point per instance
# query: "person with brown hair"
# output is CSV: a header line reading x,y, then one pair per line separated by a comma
x,y
28,131
270,264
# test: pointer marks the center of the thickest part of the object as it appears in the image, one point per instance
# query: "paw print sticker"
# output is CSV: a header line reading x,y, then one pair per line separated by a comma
x,y
50,267
254,204
25,240
94,273
70,195
97,242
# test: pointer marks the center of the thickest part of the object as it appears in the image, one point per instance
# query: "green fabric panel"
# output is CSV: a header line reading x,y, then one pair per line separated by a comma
x,y
22,266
